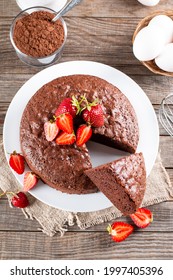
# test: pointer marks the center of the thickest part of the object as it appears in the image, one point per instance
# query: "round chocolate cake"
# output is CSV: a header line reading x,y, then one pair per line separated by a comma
x,y
62,167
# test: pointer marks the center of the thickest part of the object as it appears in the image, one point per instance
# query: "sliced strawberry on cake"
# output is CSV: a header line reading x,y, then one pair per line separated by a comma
x,y
84,133
65,138
51,130
65,122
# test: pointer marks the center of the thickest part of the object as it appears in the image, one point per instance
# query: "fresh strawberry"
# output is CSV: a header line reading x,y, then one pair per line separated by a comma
x,y
84,133
30,180
20,200
65,123
119,231
17,162
68,105
142,217
65,138
93,114
51,130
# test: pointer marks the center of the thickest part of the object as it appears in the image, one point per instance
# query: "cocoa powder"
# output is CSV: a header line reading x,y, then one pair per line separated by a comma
x,y
36,35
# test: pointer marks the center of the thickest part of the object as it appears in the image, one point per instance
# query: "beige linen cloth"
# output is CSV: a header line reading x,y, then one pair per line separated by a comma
x,y
52,220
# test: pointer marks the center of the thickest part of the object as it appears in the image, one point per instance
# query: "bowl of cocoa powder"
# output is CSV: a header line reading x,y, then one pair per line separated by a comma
x,y
36,39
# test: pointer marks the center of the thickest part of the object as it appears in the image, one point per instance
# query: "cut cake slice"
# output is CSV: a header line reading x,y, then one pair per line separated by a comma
x,y
122,181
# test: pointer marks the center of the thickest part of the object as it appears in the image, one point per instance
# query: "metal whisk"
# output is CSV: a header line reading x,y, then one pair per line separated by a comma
x,y
166,114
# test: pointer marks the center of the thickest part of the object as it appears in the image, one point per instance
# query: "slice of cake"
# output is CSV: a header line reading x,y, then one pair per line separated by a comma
x,y
122,181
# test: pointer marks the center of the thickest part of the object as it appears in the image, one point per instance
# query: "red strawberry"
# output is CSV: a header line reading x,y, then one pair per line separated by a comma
x,y
142,217
20,200
30,180
17,162
65,123
65,138
83,134
119,231
68,105
51,130
93,114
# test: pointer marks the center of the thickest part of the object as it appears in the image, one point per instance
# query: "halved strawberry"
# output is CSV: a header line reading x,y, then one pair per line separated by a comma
x,y
68,105
84,133
51,130
65,138
93,114
17,162
30,180
142,217
65,123
120,231
20,200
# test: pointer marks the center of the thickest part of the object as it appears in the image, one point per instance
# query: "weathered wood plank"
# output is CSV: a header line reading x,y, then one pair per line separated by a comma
x,y
94,8
113,49
166,148
12,219
111,45
85,245
114,35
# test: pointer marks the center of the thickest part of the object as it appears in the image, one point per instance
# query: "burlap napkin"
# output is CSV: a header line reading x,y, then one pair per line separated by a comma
x,y
52,220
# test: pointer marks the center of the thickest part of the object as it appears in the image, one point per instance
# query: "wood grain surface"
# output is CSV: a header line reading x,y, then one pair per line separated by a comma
x,y
97,31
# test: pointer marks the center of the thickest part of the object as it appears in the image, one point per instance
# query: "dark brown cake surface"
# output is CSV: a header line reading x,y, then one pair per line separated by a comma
x,y
123,182
62,167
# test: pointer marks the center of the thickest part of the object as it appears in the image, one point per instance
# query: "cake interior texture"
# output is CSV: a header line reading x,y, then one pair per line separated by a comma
x,y
123,182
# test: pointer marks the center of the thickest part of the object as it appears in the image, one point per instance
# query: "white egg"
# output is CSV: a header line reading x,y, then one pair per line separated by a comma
x,y
149,2
165,59
165,26
148,44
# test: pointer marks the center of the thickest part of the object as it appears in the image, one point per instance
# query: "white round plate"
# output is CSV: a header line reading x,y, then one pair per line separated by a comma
x,y
148,127
55,5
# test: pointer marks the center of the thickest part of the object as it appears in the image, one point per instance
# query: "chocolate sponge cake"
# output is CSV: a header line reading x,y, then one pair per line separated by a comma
x,y
123,182
62,167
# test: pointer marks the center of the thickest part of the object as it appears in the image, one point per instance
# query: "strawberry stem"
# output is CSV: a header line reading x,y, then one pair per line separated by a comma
x,y
109,229
84,100
11,193
2,194
92,104
52,120
77,103
14,153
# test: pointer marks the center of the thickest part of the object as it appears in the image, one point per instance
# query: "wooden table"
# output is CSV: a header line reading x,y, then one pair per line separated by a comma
x,y
100,31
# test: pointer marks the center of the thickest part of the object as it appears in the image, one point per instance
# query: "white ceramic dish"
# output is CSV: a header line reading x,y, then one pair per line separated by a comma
x,y
148,126
55,5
